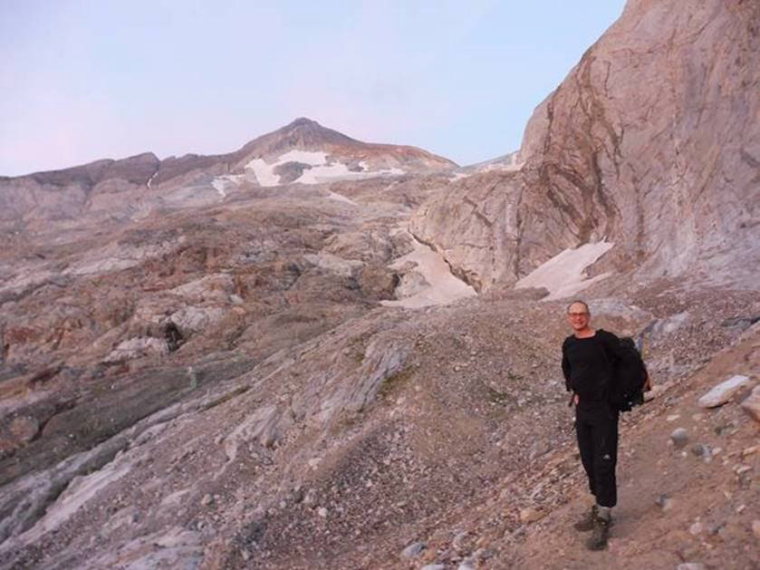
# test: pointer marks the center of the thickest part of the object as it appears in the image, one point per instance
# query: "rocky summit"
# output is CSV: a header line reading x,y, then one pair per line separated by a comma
x,y
316,352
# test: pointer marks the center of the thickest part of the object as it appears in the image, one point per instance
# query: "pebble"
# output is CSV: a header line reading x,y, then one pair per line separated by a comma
x,y
672,418
322,512
207,500
466,565
702,450
664,502
483,554
697,528
413,550
459,541
750,450
679,437
691,566
434,567
529,515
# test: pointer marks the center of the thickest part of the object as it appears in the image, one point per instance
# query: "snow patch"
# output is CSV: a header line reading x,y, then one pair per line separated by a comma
x,y
341,198
565,273
223,184
219,186
322,170
443,287
263,172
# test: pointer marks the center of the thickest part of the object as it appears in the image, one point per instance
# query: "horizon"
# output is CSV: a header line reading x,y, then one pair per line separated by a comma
x,y
459,81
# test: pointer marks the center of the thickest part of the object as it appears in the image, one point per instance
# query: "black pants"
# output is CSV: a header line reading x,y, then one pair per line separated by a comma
x,y
596,427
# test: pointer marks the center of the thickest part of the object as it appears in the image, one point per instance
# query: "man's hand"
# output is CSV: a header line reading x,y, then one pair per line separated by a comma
x,y
574,399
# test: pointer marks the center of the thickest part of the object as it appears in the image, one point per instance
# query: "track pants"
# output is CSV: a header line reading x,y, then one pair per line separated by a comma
x,y
596,427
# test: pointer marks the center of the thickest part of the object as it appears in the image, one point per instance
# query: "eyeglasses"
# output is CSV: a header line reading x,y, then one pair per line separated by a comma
x,y
573,315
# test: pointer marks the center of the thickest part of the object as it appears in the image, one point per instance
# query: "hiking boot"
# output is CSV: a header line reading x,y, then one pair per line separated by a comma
x,y
586,523
599,535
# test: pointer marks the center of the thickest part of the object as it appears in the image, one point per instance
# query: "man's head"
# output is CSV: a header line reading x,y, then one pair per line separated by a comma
x,y
579,316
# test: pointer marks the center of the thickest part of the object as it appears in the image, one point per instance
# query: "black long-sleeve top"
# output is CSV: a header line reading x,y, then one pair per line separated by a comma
x,y
587,364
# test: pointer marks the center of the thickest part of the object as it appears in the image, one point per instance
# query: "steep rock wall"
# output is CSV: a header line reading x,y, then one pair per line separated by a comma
x,y
652,142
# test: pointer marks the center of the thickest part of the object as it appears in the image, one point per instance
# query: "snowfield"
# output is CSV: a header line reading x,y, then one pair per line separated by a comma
x,y
322,169
565,273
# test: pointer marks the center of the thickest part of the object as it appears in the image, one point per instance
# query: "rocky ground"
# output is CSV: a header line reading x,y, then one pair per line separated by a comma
x,y
229,362
403,438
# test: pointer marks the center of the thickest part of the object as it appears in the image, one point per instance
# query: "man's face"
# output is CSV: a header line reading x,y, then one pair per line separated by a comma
x,y
578,316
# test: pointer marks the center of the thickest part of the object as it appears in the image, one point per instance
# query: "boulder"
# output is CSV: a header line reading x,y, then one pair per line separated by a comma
x,y
723,392
752,404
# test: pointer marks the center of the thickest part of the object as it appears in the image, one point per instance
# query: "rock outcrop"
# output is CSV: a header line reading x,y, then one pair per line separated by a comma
x,y
651,143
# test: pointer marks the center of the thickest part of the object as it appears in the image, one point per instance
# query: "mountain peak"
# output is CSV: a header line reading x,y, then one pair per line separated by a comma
x,y
303,122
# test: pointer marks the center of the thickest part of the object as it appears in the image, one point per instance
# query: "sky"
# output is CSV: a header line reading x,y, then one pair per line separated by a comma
x,y
82,80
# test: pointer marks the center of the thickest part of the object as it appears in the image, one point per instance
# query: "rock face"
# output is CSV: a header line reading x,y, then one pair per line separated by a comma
x,y
655,124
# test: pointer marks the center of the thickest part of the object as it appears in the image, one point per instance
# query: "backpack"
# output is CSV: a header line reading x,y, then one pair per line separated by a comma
x,y
629,377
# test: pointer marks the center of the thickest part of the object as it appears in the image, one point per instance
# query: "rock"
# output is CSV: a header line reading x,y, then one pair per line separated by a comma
x,y
756,528
322,512
697,528
722,393
24,428
529,515
207,500
679,437
137,348
702,450
750,450
460,541
413,550
741,469
434,567
664,502
752,404
467,565
691,566
483,554
377,281
742,323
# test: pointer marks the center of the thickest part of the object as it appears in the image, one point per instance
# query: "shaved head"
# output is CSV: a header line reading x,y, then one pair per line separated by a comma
x,y
579,302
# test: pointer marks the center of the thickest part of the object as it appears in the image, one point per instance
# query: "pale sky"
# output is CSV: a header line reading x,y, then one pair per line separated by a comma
x,y
82,80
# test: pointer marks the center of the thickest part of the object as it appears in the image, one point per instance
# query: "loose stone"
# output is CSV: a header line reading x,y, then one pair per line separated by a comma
x,y
722,393
413,550
679,437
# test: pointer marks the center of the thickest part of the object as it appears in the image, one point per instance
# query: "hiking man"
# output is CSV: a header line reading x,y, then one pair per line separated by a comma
x,y
587,364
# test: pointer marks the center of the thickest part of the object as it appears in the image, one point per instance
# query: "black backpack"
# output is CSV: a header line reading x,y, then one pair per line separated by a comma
x,y
629,377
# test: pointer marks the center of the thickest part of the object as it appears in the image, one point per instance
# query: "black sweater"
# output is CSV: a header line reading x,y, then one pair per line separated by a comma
x,y
587,364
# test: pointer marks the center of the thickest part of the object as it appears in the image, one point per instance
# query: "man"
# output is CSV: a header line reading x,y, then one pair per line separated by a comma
x,y
587,364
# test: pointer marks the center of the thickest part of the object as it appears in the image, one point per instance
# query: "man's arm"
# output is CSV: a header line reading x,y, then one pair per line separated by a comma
x,y
566,366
